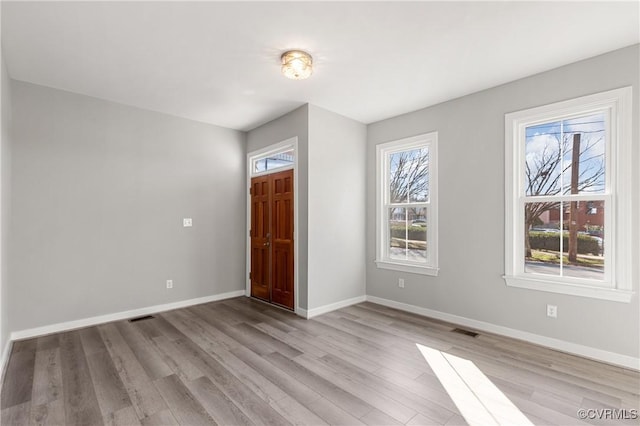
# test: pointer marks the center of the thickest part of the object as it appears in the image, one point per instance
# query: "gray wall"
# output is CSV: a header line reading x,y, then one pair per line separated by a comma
x,y
295,123
5,205
471,210
337,147
99,193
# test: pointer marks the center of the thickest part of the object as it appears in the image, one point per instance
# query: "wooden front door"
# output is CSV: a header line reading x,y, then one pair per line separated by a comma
x,y
272,238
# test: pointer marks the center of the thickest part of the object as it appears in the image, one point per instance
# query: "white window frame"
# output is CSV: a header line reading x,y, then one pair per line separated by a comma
x,y
383,151
617,285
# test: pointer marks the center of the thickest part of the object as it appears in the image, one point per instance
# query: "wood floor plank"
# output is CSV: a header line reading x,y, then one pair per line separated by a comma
x,y
183,405
298,344
348,402
19,374
91,341
366,352
370,395
80,402
376,417
160,418
385,341
456,420
260,336
178,363
47,376
523,374
429,390
50,341
217,404
146,353
164,327
110,391
143,395
296,413
438,409
123,417
199,323
51,413
328,346
247,339
249,310
332,414
225,314
253,406
259,384
16,415
304,394
262,387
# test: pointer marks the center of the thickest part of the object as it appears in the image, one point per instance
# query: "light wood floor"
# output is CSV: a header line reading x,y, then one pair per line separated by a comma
x,y
241,362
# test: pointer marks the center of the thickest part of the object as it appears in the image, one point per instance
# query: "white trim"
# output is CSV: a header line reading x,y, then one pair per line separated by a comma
x,y
302,313
101,319
4,361
619,249
429,140
549,342
334,306
422,270
602,293
280,146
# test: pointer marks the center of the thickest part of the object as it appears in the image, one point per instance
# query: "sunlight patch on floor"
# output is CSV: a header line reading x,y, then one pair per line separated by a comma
x,y
480,402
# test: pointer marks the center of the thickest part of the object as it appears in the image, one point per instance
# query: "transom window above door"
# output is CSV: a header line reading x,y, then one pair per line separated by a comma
x,y
273,161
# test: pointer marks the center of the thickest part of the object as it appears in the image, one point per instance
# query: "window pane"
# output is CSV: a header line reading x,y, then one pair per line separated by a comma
x,y
275,161
549,156
408,234
409,176
577,251
585,145
542,238
589,235
543,155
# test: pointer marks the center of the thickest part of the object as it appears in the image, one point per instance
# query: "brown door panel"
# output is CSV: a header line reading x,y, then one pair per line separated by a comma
x,y
282,274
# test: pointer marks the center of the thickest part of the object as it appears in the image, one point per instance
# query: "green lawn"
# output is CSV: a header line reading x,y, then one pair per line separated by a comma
x,y
554,257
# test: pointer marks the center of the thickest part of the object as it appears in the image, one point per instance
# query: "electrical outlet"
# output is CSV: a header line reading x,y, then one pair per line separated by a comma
x,y
169,283
552,311
401,282
186,222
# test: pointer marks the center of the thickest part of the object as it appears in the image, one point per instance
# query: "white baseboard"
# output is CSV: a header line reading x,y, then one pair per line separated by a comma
x,y
549,342
87,322
332,307
4,361
302,313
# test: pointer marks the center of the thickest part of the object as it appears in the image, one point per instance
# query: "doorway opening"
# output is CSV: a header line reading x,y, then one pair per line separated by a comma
x,y
271,225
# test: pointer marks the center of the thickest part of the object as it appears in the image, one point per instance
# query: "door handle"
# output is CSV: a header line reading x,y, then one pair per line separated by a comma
x,y
267,244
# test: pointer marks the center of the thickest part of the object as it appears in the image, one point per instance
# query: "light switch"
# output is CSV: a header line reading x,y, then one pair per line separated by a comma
x,y
187,222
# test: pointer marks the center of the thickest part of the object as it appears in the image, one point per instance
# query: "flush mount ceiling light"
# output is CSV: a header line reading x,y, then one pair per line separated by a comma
x,y
296,64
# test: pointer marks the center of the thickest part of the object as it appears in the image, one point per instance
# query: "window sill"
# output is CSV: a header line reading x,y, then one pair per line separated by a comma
x,y
570,289
412,269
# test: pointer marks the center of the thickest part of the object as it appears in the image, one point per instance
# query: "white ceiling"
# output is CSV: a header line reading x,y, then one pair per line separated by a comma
x,y
218,62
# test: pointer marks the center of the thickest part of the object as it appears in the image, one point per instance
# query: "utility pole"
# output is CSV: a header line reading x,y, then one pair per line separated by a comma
x,y
573,212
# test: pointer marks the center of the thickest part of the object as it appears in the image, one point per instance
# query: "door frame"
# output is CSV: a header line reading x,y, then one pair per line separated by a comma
x,y
284,145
